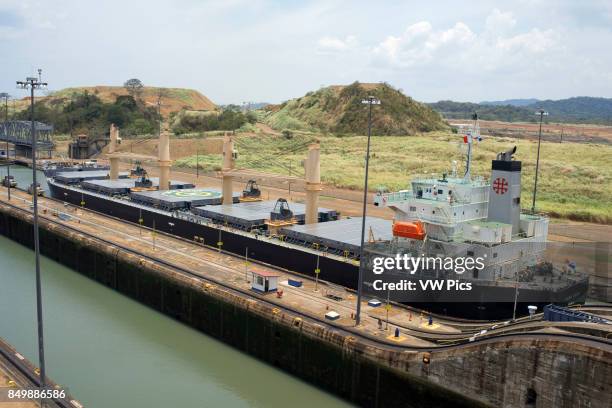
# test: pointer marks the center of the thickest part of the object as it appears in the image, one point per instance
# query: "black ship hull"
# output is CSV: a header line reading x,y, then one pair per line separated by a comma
x,y
303,262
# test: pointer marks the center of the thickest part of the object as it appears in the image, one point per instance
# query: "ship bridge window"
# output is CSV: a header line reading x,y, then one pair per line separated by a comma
x,y
412,208
470,253
440,191
494,254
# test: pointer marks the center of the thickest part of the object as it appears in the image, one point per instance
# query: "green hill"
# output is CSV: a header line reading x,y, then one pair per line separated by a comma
x,y
338,109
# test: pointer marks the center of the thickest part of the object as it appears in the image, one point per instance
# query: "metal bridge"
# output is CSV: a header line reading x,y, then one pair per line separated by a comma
x,y
19,133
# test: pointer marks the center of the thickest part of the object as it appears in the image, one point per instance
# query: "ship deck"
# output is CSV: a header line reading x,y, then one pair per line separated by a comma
x,y
248,215
341,235
176,199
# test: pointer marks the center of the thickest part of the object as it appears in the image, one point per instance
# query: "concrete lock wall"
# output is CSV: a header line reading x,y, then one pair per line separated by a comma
x,y
369,374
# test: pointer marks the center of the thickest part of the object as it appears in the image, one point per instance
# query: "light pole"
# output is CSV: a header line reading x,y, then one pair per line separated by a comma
x,y
369,101
246,264
32,83
542,113
516,292
8,162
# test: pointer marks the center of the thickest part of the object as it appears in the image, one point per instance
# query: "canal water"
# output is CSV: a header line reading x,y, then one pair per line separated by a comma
x,y
23,177
110,351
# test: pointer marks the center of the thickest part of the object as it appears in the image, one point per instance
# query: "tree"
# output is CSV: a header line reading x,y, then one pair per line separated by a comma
x,y
134,87
126,102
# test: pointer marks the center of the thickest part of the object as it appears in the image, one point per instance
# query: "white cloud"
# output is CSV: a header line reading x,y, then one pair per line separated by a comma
x,y
500,22
335,44
459,48
10,33
534,41
421,44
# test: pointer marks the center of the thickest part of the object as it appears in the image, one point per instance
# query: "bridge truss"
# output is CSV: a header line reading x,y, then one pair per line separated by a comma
x,y
19,133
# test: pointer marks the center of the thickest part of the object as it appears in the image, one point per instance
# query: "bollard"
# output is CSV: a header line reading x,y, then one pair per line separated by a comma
x,y
430,320
397,332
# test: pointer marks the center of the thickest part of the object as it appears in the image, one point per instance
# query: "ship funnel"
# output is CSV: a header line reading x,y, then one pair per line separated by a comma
x,y
164,161
229,156
313,183
112,150
505,192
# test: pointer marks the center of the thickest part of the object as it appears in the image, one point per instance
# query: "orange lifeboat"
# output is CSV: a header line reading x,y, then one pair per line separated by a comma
x,y
407,229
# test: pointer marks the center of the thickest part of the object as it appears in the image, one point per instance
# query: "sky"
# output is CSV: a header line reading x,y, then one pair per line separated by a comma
x,y
235,51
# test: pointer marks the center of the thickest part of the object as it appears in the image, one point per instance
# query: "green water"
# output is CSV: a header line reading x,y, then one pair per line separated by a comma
x,y
23,177
110,351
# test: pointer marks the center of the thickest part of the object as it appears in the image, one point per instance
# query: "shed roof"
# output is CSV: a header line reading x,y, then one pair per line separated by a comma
x,y
268,274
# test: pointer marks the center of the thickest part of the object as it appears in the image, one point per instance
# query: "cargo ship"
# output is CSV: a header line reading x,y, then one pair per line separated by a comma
x,y
52,168
316,241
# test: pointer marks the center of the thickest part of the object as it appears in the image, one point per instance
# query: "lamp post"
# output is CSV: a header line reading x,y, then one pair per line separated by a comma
x,y
33,83
542,113
8,163
369,101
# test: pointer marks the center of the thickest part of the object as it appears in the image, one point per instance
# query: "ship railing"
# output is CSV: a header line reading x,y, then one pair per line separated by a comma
x,y
384,199
387,198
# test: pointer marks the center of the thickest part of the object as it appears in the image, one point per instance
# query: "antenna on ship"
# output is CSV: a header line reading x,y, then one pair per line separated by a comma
x,y
468,138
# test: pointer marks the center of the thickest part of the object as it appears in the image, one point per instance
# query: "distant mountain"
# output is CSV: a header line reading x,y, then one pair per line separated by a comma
x,y
464,110
582,109
512,102
339,109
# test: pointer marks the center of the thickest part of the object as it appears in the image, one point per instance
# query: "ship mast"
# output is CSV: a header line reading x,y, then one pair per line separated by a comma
x,y
471,133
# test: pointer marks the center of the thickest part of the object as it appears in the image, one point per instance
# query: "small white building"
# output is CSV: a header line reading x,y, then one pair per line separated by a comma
x,y
264,281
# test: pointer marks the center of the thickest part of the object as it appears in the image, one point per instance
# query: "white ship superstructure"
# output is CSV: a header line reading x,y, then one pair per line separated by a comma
x,y
465,216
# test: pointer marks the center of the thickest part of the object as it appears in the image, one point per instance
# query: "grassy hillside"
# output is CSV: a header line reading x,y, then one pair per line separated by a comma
x,y
338,109
173,100
91,110
575,179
